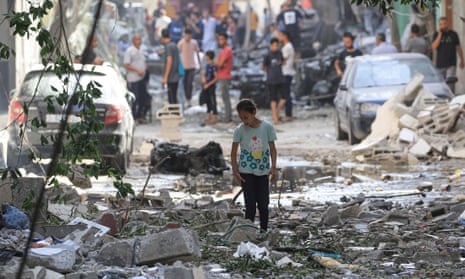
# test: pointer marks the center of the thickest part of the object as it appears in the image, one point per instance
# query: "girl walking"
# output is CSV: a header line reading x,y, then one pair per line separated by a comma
x,y
257,161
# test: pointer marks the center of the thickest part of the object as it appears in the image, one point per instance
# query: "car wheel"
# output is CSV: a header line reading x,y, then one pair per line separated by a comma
x,y
352,138
340,134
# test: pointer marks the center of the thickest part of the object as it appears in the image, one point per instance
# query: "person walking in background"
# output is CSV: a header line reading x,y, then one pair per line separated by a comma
x,y
176,27
447,44
162,23
288,72
190,51
171,75
134,63
289,20
416,43
196,25
383,47
208,40
257,161
225,64
349,51
209,80
253,25
272,65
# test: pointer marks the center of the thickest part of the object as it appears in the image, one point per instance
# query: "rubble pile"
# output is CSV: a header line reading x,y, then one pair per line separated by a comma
x,y
360,237
413,125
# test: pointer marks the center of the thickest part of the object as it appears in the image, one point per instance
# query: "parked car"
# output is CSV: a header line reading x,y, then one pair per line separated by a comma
x,y
371,80
113,109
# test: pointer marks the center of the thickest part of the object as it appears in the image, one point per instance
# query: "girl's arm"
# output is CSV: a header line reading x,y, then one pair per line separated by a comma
x,y
235,167
274,155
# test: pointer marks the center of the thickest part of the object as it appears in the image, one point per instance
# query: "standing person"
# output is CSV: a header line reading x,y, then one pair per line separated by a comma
x,y
225,64
92,57
196,24
189,50
162,23
253,25
272,63
171,74
349,51
383,47
289,20
209,27
416,43
176,27
288,72
134,63
257,161
266,24
209,80
447,44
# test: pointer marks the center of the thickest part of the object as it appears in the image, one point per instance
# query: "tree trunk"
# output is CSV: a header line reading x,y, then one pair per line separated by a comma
x,y
395,36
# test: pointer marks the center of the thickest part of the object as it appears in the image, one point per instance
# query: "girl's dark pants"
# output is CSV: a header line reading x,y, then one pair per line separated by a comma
x,y
256,194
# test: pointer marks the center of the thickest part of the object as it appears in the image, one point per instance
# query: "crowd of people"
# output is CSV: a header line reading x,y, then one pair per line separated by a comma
x,y
190,32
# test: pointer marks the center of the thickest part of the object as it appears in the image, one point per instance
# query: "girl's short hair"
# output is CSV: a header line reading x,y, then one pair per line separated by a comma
x,y
247,105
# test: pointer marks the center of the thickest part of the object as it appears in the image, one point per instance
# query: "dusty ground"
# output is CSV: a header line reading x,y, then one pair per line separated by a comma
x,y
310,135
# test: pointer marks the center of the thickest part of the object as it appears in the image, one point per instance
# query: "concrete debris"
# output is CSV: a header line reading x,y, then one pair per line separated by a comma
x,y
60,258
167,247
414,122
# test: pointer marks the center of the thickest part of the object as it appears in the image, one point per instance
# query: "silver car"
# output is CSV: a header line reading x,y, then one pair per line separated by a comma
x,y
371,80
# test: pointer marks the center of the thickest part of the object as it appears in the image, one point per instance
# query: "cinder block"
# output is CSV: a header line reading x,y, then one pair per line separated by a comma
x,y
421,148
411,90
170,116
407,121
408,136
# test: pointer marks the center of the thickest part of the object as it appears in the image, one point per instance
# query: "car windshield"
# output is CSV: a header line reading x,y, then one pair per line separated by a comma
x,y
48,80
393,72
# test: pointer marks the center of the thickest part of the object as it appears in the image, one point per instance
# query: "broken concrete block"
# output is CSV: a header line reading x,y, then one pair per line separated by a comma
x,y
331,216
168,246
422,101
5,193
438,142
407,121
66,212
117,253
57,258
408,136
241,230
424,116
351,212
401,109
457,148
421,148
178,271
411,90
22,188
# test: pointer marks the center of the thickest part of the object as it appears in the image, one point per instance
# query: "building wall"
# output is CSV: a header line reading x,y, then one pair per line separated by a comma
x,y
7,72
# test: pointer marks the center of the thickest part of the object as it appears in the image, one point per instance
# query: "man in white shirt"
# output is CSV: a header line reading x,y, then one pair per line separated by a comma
x,y
161,23
134,62
209,39
288,72
383,47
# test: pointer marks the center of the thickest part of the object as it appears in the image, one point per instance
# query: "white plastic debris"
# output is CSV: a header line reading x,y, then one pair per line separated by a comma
x,y
286,261
250,249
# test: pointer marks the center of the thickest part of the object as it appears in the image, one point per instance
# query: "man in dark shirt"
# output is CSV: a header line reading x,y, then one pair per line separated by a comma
x,y
447,44
289,20
272,63
171,74
340,64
